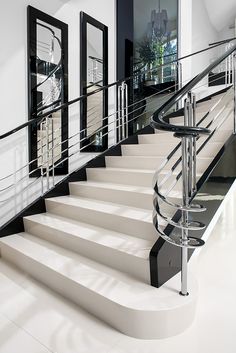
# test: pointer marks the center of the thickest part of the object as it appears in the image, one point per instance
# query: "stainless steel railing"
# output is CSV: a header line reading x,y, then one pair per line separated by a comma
x,y
190,133
52,153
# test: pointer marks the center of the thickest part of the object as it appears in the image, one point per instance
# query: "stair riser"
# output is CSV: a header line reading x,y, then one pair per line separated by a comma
x,y
127,178
151,150
138,228
145,150
209,150
108,256
150,163
120,317
157,138
133,199
118,177
134,162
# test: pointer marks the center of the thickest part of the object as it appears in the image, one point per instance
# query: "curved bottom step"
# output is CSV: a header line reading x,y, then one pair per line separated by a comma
x,y
130,306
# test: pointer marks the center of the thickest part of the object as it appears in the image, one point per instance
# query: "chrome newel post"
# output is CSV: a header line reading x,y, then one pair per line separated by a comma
x,y
189,184
184,240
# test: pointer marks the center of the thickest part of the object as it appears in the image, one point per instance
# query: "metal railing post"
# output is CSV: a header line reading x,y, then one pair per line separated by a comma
x,y
122,111
179,79
188,176
47,152
119,114
126,110
191,121
234,88
40,158
184,233
226,71
52,153
194,147
180,75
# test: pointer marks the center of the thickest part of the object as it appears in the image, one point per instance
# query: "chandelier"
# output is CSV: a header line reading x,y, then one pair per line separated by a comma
x,y
158,26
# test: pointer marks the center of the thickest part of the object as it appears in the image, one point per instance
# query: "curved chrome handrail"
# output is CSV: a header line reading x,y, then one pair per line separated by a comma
x,y
157,121
189,133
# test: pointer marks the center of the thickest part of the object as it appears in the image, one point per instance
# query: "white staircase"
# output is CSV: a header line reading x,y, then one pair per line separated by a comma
x,y
93,246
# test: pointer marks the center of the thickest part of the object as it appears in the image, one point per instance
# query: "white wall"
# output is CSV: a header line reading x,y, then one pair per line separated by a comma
x,y
185,36
13,79
221,13
203,33
195,33
13,98
13,58
226,32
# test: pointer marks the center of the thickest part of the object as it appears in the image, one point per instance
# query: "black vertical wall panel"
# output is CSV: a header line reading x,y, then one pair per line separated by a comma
x,y
125,34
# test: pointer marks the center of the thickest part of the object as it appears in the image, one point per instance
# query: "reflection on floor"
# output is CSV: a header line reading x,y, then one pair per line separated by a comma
x,y
34,319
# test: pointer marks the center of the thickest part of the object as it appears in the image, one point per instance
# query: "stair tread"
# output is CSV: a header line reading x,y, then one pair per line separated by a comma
x,y
154,145
133,170
104,207
112,284
145,145
123,242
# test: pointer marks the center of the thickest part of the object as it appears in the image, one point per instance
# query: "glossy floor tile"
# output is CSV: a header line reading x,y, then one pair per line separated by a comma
x,y
14,339
36,320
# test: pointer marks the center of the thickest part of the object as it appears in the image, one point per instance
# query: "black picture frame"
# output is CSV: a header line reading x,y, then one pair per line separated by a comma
x,y
85,144
33,15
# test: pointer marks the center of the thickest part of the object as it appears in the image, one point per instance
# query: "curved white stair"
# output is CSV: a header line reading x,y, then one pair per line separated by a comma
x,y
93,245
130,306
